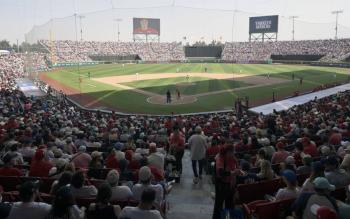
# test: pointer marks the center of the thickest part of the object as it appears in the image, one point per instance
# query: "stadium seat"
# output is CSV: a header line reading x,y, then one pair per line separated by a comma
x,y
256,191
10,183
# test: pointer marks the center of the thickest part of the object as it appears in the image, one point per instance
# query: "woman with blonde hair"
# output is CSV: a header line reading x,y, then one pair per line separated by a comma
x,y
266,172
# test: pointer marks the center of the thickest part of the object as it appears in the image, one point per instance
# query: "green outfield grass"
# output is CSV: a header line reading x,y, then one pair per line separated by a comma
x,y
196,85
129,101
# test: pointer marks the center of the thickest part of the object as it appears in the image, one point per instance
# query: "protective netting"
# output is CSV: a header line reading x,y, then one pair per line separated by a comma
x,y
175,25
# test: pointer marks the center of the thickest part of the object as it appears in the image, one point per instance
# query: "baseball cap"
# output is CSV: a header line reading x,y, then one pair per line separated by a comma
x,y
96,154
322,183
289,175
145,173
118,146
323,212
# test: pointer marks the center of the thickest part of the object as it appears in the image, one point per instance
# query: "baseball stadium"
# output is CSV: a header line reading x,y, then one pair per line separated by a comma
x,y
175,109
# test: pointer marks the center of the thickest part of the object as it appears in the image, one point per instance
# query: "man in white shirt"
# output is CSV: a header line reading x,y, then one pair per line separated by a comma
x,y
155,158
198,146
119,193
145,177
78,188
144,209
28,208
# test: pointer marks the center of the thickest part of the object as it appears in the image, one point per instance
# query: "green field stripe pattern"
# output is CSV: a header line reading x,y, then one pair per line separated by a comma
x,y
130,101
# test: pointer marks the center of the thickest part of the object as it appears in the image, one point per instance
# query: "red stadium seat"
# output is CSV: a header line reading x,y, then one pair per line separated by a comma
x,y
10,183
275,210
257,191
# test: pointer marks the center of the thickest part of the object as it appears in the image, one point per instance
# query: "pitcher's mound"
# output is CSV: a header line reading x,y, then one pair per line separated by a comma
x,y
161,100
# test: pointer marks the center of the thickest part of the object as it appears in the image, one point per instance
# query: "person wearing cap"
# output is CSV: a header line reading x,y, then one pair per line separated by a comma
x,y
177,147
81,159
119,193
323,212
155,158
345,164
317,170
69,147
145,178
302,206
198,145
306,167
338,177
280,155
27,208
291,190
225,179
39,167
8,169
145,208
119,154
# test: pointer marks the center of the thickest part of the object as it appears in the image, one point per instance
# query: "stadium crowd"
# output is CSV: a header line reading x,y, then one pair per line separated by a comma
x,y
62,162
331,50
68,51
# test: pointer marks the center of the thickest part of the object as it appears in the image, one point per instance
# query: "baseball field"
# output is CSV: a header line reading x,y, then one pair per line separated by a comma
x,y
142,88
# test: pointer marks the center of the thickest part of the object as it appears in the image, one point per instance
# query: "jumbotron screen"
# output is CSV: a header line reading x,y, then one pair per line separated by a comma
x,y
264,24
146,26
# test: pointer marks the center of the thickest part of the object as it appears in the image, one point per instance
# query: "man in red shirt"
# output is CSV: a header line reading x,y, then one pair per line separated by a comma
x,y
226,172
309,147
39,167
8,169
177,146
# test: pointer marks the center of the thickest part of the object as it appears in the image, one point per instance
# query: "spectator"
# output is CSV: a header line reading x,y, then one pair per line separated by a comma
x,y
145,177
302,206
64,206
27,208
344,207
306,167
155,158
291,190
177,146
81,159
266,172
78,188
64,180
316,171
335,176
39,167
119,193
144,209
226,170
102,208
198,146
8,169
280,155
112,161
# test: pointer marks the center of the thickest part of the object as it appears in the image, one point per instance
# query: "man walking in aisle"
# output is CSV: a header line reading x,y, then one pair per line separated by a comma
x,y
198,146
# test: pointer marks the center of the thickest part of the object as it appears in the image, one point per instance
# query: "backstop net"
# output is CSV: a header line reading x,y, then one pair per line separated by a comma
x,y
179,24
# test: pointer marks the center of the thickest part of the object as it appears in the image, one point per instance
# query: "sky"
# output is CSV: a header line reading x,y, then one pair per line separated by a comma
x,y
225,20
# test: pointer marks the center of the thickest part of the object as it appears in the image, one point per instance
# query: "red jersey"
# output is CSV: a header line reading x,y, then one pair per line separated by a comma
x,y
228,164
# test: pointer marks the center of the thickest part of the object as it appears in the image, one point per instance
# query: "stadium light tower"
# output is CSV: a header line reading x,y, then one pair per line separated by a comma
x,y
293,30
337,12
81,17
118,32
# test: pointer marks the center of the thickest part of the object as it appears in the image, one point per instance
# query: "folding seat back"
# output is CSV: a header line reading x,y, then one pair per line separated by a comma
x,y
10,183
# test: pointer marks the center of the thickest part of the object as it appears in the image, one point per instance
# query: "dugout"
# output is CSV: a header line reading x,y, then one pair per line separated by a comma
x,y
203,53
